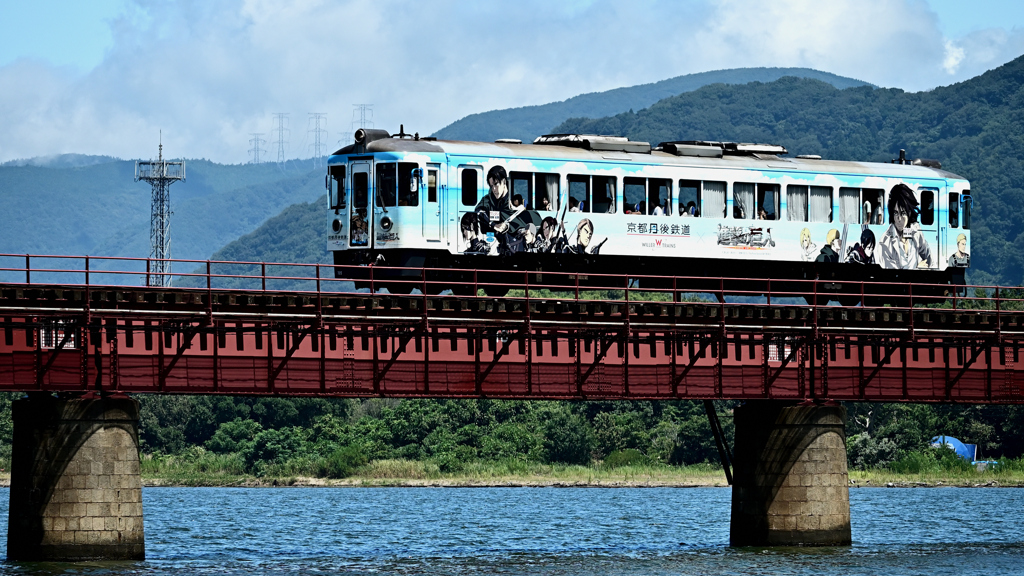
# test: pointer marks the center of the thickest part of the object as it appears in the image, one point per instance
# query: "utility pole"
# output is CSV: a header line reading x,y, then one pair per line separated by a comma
x,y
160,175
319,131
278,134
256,141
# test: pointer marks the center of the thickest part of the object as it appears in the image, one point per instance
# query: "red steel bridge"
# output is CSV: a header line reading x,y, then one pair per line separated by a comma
x,y
81,324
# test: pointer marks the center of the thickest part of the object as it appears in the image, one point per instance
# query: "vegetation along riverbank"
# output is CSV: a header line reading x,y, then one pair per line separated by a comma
x,y
246,441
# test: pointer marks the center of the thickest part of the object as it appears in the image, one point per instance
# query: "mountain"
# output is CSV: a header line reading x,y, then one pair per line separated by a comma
x,y
298,234
76,204
528,122
975,128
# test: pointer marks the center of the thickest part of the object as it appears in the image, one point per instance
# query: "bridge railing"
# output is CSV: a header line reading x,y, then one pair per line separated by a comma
x,y
316,278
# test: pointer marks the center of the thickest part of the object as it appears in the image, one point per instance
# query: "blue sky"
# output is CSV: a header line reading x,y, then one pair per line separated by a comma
x,y
103,76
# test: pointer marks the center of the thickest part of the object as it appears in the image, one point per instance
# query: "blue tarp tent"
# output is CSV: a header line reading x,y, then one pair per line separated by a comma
x,y
968,452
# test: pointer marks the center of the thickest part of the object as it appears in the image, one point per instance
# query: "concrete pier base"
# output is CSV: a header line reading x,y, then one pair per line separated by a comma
x,y
790,485
76,492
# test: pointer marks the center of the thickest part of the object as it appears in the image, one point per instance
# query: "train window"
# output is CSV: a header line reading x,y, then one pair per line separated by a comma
x,y
650,197
743,200
408,192
579,193
954,210
819,204
470,186
634,195
714,199
861,205
387,184
796,203
768,201
659,192
432,185
927,207
360,189
872,202
965,210
849,205
689,197
546,191
521,189
336,186
605,188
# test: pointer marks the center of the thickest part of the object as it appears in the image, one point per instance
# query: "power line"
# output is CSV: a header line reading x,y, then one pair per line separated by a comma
x,y
256,142
160,175
278,134
319,133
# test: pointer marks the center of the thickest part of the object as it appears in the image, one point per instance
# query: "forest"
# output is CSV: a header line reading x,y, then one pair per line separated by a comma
x,y
332,438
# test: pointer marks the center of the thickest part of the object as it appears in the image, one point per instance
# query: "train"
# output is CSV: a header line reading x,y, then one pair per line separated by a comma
x,y
604,204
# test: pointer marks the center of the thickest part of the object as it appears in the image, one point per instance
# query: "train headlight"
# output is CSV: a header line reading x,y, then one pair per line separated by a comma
x,y
386,223
337,225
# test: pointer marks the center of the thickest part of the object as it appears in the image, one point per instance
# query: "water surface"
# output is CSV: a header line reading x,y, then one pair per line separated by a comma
x,y
547,531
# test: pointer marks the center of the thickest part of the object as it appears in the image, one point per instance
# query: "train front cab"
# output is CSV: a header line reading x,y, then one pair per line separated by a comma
x,y
389,210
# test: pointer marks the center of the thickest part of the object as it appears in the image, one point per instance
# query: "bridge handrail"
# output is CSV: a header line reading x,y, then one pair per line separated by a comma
x,y
624,288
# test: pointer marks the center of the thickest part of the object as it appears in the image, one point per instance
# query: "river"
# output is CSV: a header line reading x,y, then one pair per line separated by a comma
x,y
547,531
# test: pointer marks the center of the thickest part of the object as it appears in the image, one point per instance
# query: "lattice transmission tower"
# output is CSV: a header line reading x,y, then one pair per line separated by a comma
x,y
365,113
318,121
256,141
160,175
278,134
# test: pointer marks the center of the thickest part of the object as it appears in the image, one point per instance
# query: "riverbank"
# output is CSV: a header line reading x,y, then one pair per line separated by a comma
x,y
409,473
400,473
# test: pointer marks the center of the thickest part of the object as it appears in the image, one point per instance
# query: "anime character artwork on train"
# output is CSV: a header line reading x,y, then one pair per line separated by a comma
x,y
580,203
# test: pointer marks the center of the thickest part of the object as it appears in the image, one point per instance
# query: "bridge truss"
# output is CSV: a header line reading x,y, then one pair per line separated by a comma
x,y
578,337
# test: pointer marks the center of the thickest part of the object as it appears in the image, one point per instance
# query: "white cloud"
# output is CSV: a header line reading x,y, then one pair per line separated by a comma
x,y
209,74
954,56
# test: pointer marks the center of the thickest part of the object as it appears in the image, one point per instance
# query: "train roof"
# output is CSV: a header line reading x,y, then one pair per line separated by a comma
x,y
584,148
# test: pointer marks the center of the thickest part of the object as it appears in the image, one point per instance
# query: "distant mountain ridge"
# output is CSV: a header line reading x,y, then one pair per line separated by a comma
x,y
78,204
528,122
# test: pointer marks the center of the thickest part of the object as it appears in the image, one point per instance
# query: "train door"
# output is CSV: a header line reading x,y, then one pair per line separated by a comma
x,y
360,227
928,219
471,238
434,206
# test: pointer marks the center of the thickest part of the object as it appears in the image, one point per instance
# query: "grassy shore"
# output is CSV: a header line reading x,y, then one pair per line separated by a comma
x,y
215,470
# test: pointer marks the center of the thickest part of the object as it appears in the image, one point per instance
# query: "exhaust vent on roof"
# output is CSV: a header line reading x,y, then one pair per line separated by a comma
x,y
693,148
703,147
594,142
927,163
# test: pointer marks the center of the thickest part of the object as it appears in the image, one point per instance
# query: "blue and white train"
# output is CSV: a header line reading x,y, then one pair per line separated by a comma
x,y
605,204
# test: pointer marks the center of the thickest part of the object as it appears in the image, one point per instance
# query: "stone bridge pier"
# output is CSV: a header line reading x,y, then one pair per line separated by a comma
x,y
76,491
790,482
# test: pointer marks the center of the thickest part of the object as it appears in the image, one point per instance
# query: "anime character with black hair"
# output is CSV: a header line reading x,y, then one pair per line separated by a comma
x,y
548,235
864,251
497,214
903,245
476,242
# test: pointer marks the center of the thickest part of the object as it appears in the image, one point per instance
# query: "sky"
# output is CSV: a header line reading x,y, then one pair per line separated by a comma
x,y
107,77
